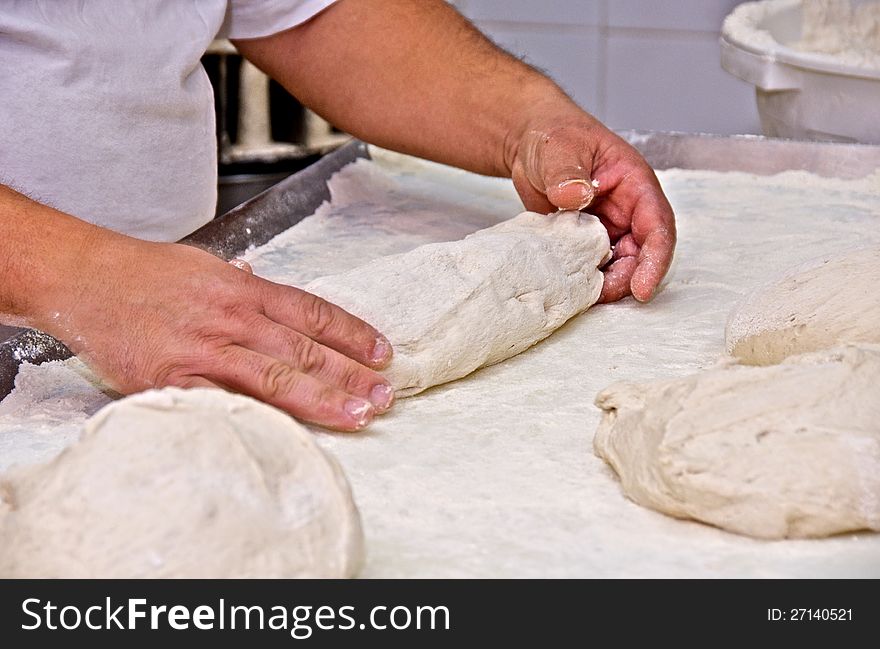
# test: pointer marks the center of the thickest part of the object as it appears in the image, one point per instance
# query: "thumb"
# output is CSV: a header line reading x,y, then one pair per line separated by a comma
x,y
552,166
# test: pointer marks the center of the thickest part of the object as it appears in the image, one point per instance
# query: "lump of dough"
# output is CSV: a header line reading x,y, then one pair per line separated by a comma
x,y
451,308
826,302
790,450
182,483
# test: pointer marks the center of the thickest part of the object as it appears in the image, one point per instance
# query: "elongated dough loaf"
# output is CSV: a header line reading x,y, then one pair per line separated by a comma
x,y
451,308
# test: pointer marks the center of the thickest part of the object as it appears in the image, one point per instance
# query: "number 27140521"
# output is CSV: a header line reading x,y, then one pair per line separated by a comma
x,y
809,615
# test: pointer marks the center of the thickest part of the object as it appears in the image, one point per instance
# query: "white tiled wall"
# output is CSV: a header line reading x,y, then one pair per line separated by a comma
x,y
645,64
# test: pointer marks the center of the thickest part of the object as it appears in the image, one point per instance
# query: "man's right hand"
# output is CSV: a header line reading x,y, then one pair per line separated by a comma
x,y
148,315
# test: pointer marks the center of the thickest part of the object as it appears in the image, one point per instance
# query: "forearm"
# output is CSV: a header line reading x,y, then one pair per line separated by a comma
x,y
41,252
413,76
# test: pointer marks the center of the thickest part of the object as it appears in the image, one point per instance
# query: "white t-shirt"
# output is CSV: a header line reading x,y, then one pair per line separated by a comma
x,y
106,112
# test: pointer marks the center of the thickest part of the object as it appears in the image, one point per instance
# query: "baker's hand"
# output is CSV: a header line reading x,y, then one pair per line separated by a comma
x,y
148,315
552,167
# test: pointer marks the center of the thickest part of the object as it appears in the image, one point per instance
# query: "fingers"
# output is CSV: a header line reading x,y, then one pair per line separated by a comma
x,y
638,270
618,277
653,229
322,363
638,205
654,261
327,324
303,396
190,382
241,264
626,246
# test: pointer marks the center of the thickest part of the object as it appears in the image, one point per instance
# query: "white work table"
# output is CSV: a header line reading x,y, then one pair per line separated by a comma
x,y
494,475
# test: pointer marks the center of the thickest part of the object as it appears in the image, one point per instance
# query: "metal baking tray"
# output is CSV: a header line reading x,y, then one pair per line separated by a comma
x,y
283,205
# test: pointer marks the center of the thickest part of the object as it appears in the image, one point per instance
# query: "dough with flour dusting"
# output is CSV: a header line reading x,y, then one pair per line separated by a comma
x,y
791,450
451,308
823,303
174,483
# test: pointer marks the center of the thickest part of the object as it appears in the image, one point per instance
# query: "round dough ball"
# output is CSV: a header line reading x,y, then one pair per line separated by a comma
x,y
824,303
790,450
182,483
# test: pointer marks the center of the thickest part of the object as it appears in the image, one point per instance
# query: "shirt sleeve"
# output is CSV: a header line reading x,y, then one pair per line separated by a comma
x,y
256,18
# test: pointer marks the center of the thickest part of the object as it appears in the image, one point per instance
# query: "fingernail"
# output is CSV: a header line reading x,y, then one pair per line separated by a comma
x,y
382,397
587,190
359,410
381,350
241,264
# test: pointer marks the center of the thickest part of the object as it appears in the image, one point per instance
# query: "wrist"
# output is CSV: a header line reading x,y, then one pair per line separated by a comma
x,y
48,259
69,280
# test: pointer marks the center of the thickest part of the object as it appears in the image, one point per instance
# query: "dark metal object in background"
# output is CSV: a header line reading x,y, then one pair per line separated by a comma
x,y
263,132
276,209
7,332
25,345
235,189
287,203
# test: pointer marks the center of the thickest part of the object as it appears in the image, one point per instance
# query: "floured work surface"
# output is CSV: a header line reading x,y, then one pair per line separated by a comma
x,y
494,475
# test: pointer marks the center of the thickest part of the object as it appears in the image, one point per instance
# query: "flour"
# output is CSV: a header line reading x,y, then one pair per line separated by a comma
x,y
745,23
835,31
503,456
47,409
851,34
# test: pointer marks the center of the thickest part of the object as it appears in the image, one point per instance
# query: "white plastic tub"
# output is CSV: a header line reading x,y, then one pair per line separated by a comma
x,y
801,95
